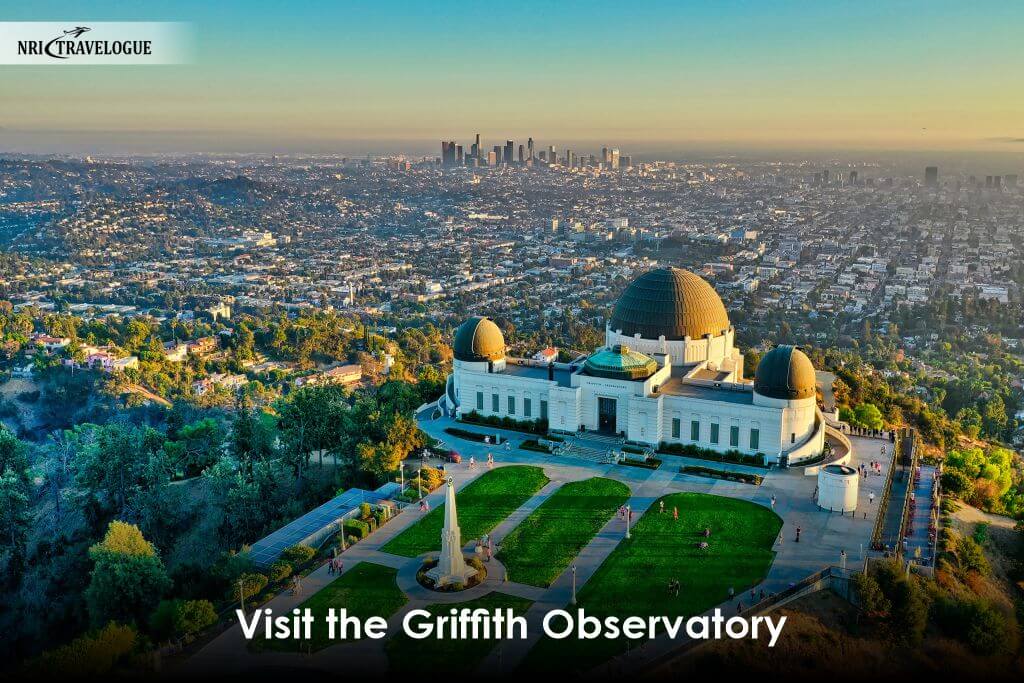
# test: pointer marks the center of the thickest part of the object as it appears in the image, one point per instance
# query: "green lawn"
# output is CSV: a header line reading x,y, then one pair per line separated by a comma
x,y
545,543
633,580
366,590
482,505
432,655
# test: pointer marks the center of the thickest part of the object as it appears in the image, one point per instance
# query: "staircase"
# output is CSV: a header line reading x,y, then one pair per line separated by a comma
x,y
599,448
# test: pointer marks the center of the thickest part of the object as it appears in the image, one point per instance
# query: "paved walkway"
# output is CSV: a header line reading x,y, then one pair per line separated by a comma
x,y
823,537
920,518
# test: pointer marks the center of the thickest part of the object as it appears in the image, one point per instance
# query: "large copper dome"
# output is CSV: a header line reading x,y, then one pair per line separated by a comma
x,y
479,339
672,302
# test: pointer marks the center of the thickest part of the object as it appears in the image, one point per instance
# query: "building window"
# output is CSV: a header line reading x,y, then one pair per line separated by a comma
x,y
714,432
734,436
695,430
755,439
675,427
480,401
543,410
511,405
527,408
495,404
792,437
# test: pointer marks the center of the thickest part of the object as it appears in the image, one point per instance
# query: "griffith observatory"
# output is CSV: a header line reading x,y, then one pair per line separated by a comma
x,y
668,372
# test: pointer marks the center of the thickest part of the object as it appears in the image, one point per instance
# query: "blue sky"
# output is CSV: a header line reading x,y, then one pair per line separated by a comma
x,y
816,74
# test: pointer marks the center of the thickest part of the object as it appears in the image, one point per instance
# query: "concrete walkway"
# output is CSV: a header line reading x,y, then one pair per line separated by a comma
x,y
918,539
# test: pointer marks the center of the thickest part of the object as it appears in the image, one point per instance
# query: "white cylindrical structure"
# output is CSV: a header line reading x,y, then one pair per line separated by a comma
x,y
837,488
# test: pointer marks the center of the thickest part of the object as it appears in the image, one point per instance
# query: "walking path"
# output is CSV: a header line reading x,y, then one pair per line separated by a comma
x,y
920,517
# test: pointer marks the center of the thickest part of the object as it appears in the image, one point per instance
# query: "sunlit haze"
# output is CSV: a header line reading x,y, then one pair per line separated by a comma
x,y
397,77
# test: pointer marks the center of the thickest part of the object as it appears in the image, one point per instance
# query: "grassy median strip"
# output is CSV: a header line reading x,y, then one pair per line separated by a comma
x,y
538,550
482,505
634,579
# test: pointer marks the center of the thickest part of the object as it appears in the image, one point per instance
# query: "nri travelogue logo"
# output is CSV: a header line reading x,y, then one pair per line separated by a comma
x,y
94,43
69,44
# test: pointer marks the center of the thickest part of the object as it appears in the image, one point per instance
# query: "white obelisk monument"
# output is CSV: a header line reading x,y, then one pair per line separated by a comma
x,y
451,565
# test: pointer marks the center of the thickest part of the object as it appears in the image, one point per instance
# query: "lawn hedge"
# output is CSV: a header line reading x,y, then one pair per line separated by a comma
x,y
694,451
744,477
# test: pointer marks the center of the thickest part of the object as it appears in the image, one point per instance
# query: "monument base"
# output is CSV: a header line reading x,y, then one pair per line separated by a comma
x,y
443,578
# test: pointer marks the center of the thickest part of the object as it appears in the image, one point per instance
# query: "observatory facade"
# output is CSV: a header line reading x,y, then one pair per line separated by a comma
x,y
668,372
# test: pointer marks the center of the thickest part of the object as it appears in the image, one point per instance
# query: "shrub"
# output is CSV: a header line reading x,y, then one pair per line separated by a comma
x,y
987,631
356,528
298,555
531,426
695,451
870,599
179,618
432,477
534,445
248,585
279,571
472,436
87,655
365,509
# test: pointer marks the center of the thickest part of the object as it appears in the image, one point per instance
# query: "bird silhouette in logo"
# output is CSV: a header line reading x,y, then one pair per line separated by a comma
x,y
77,31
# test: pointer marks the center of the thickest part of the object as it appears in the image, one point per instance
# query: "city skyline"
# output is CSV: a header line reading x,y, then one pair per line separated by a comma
x,y
753,75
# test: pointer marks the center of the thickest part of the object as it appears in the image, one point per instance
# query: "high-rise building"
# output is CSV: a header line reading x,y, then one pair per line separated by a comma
x,y
931,176
551,155
853,177
522,154
510,149
615,158
1010,180
492,157
448,152
529,148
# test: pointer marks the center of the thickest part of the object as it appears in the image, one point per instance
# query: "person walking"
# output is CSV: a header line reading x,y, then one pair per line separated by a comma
x,y
675,513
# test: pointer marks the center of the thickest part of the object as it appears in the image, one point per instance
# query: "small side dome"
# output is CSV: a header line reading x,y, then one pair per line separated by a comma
x,y
785,373
620,362
479,340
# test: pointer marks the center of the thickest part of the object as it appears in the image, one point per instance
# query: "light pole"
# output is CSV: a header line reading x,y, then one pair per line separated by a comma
x,y
573,584
419,482
629,516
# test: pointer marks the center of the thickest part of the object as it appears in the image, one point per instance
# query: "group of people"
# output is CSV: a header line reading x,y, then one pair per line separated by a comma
x,y
485,547
490,461
874,467
335,565
661,510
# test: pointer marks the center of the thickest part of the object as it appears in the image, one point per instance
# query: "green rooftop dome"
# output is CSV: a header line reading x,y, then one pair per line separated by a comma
x,y
786,373
479,340
669,302
619,362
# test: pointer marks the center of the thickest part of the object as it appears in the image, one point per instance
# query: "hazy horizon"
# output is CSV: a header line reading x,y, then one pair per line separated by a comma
x,y
755,75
